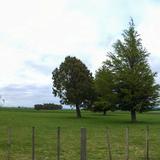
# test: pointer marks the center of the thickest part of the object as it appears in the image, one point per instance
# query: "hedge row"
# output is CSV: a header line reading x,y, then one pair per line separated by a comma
x,y
48,106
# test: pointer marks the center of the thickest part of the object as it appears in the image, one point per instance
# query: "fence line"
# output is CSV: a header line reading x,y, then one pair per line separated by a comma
x,y
108,143
33,143
127,143
83,143
58,143
83,154
147,143
9,143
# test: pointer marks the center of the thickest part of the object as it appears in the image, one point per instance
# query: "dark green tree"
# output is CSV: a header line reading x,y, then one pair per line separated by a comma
x,y
105,89
73,83
135,83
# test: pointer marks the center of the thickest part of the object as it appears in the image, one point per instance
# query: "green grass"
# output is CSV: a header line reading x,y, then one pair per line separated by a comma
x,y
46,123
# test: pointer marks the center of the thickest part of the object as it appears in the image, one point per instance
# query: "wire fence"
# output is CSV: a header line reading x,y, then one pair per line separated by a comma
x,y
83,144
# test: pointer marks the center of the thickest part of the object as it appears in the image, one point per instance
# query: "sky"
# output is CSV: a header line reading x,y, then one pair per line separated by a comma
x,y
36,36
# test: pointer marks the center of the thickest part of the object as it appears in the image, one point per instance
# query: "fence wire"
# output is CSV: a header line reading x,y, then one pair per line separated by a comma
x,y
13,147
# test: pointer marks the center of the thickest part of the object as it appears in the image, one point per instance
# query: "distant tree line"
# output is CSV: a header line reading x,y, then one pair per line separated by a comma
x,y
48,106
125,80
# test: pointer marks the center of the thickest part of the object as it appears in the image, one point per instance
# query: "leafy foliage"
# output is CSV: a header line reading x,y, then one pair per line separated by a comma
x,y
135,83
73,83
48,106
105,88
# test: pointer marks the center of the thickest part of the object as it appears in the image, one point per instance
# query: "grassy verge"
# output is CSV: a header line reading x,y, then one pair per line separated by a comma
x,y
46,123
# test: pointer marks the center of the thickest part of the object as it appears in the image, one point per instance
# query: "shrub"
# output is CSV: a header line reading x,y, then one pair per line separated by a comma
x,y
48,106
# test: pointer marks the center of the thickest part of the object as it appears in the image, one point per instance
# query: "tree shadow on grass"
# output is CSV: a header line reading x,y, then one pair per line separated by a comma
x,y
138,122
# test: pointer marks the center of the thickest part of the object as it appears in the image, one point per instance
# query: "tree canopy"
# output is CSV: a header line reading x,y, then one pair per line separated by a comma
x,y
125,80
104,86
73,83
134,80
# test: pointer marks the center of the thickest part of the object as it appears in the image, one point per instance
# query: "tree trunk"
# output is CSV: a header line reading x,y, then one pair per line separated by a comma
x,y
133,115
78,111
104,112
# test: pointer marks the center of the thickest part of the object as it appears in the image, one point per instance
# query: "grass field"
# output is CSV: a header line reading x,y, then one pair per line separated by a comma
x,y
46,123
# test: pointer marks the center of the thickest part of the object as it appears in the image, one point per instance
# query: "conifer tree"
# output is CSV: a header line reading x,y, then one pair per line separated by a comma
x,y
135,82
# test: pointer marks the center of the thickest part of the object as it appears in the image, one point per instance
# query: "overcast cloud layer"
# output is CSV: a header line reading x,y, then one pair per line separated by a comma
x,y
36,35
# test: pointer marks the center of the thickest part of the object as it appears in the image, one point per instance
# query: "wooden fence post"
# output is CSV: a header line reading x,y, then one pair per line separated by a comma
x,y
9,143
58,143
33,143
83,154
127,143
147,143
108,143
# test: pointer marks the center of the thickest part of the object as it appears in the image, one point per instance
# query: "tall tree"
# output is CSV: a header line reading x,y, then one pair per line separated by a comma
x,y
105,89
73,83
135,83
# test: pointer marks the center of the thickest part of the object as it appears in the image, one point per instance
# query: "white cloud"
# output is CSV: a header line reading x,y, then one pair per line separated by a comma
x,y
150,33
149,29
36,35
40,33
34,30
